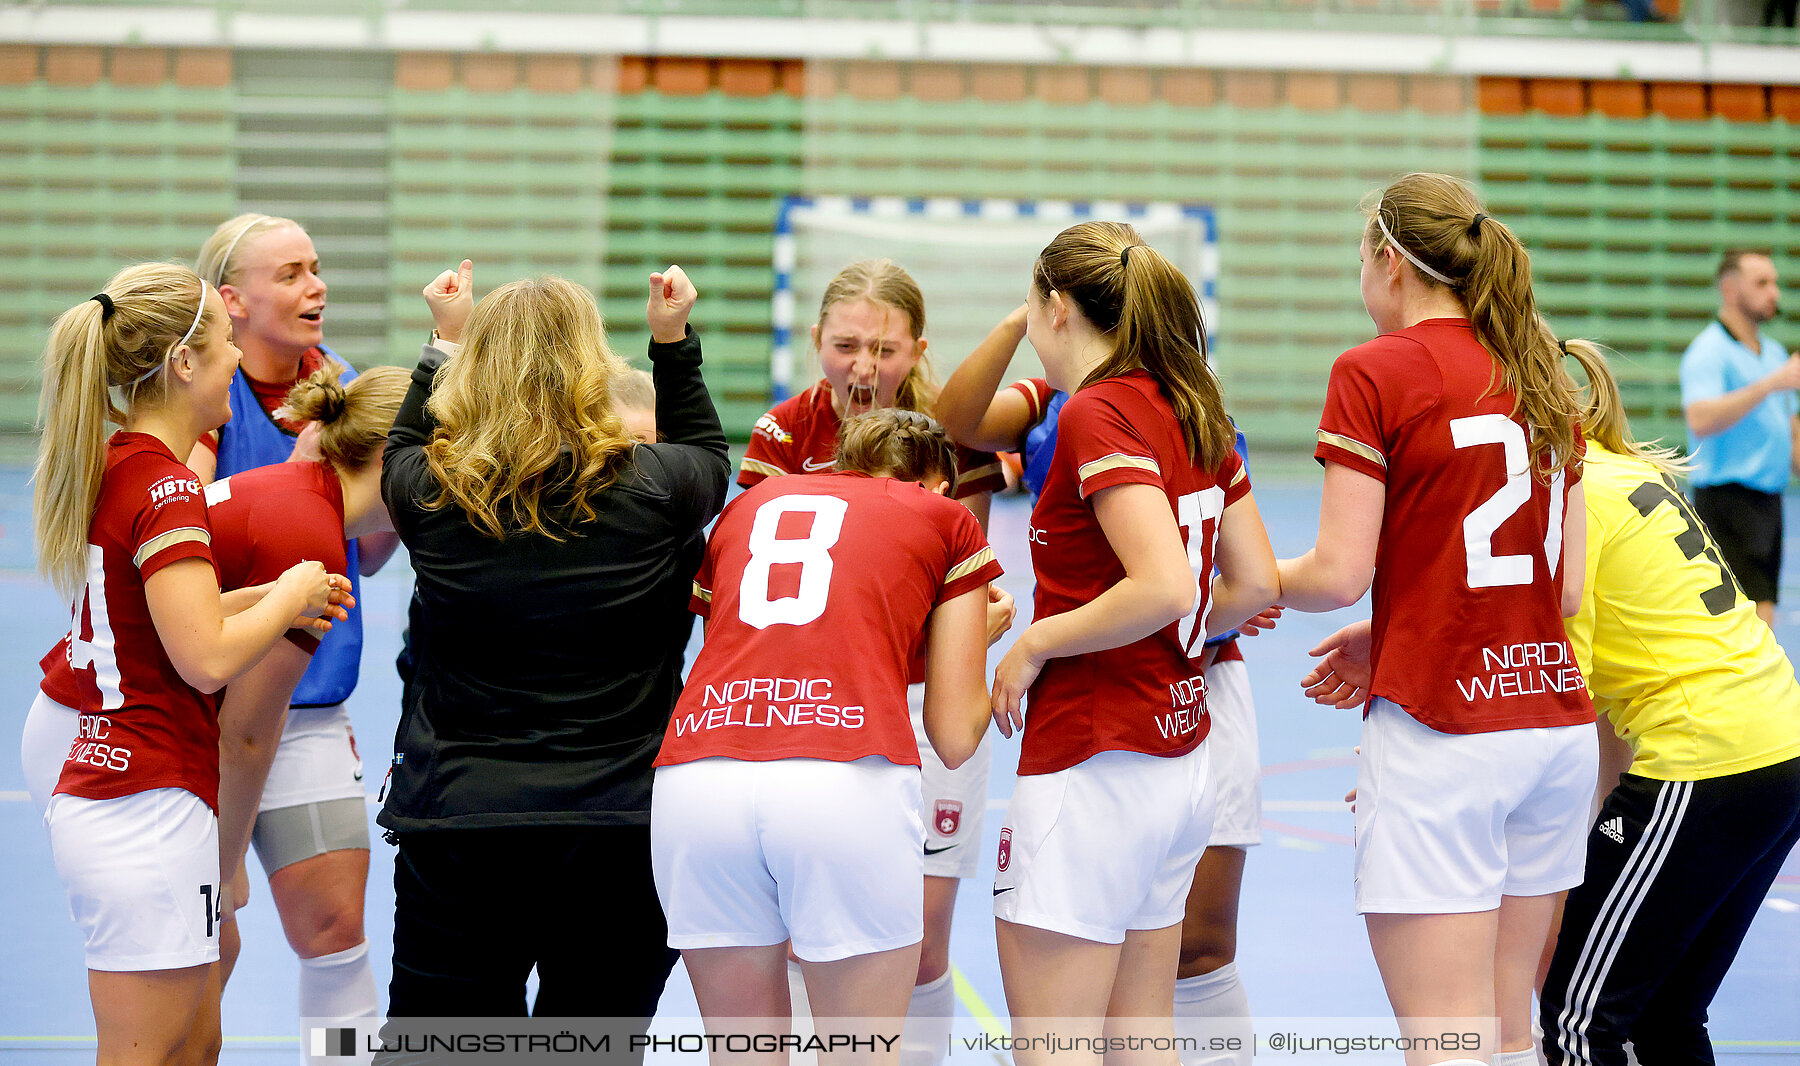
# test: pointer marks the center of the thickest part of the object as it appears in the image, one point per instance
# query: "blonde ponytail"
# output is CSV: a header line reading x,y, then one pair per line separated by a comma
x,y
1603,411
94,347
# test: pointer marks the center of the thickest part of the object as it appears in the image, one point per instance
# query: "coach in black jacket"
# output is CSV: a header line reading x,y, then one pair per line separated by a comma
x,y
550,619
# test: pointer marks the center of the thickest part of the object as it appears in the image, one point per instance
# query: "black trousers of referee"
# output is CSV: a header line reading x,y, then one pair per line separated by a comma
x,y
476,909
1746,524
1648,935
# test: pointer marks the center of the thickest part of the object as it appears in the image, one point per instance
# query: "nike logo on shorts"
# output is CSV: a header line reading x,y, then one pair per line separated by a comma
x,y
929,850
997,891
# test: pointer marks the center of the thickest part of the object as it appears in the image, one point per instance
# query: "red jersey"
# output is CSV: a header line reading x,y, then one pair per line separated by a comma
x,y
816,590
267,519
1147,696
800,436
142,726
1468,628
1037,394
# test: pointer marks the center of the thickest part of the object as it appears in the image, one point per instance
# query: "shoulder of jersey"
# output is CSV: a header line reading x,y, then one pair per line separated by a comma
x,y
1601,464
781,422
1387,344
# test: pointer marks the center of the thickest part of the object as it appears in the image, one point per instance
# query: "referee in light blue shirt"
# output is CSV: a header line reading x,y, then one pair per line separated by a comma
x,y
1737,392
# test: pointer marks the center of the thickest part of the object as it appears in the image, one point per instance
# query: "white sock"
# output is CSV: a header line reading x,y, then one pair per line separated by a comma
x,y
1523,1057
1214,1005
801,1008
336,988
340,985
926,1038
798,1003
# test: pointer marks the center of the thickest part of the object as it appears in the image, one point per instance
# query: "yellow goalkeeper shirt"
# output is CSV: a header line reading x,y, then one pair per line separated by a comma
x,y
1673,653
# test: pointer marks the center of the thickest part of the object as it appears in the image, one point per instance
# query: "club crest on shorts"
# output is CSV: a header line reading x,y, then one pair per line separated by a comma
x,y
1005,858
947,818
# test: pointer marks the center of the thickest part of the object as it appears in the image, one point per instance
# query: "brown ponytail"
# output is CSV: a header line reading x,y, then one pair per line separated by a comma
x,y
896,443
1128,289
1438,220
353,420
92,350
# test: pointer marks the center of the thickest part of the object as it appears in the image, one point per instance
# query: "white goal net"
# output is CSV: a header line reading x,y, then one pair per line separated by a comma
x,y
972,259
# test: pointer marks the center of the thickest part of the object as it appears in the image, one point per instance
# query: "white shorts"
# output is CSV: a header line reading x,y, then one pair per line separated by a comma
x,y
316,760
955,801
1106,846
1236,760
825,854
50,730
142,873
1447,823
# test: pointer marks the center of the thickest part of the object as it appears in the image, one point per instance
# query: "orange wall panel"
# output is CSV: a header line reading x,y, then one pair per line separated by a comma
x,y
1503,96
1678,99
140,66
1190,88
484,73
1125,86
1373,92
748,77
1556,96
1740,103
69,65
1619,99
1314,92
681,75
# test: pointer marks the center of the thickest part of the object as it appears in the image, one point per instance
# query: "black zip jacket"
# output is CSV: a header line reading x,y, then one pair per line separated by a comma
x,y
546,670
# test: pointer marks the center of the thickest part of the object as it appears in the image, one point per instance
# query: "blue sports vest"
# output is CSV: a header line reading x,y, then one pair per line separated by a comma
x,y
252,439
1040,444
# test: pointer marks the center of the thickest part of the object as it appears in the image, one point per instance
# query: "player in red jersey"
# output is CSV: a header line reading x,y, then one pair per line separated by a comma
x,y
265,519
870,337
1452,481
121,527
786,806
1209,994
1114,804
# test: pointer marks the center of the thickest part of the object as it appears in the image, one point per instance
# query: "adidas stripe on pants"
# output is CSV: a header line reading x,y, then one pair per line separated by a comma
x,y
1675,873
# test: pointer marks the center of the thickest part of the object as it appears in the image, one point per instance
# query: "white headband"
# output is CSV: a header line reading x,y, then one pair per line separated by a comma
x,y
1411,258
225,259
199,313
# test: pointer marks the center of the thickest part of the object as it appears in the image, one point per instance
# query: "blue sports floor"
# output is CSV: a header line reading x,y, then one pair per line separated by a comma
x,y
1302,950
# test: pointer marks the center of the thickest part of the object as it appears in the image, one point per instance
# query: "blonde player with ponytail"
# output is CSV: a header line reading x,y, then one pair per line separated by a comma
x,y
1114,803
1452,482
122,528
1691,836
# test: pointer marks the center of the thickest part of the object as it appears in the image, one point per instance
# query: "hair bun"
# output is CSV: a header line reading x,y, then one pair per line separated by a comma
x,y
331,401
